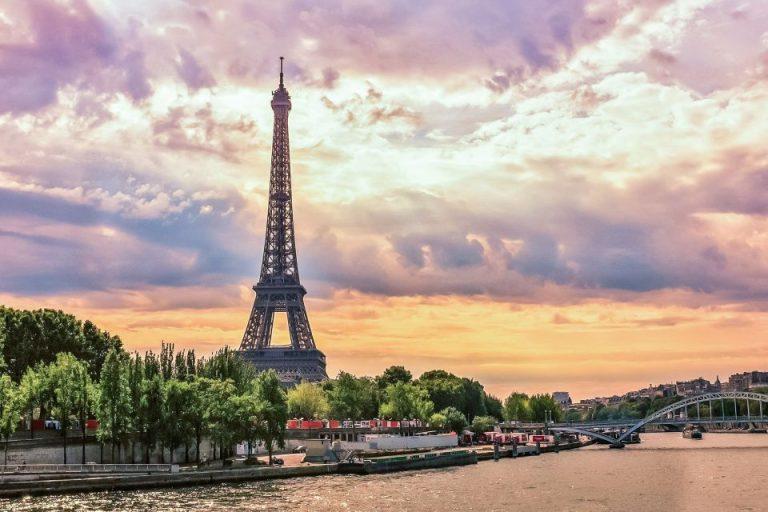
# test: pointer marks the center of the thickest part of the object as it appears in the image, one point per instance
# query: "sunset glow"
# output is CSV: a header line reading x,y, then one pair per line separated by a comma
x,y
539,195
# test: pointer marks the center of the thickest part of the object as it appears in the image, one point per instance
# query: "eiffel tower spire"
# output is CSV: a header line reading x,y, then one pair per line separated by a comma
x,y
279,289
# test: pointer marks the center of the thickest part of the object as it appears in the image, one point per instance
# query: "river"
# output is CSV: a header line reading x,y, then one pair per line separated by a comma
x,y
665,472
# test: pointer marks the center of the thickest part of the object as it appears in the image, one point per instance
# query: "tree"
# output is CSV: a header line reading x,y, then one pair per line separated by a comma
x,y
176,428
96,346
543,406
220,414
33,337
33,389
196,411
151,412
250,425
68,380
307,400
274,410
393,375
10,410
455,419
2,342
135,390
438,421
483,424
347,398
516,407
229,364
493,406
406,401
114,400
445,389
84,398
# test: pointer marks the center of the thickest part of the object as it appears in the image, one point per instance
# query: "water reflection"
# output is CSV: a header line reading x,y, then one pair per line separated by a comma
x,y
665,472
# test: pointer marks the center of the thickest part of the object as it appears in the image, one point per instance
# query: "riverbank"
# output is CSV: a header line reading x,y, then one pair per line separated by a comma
x,y
61,484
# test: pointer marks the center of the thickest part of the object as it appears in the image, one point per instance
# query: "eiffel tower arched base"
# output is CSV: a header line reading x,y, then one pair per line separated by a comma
x,y
292,366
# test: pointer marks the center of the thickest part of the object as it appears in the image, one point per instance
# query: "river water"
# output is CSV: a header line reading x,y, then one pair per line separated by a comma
x,y
722,472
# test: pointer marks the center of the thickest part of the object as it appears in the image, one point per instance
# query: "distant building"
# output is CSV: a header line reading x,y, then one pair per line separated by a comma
x,y
563,398
747,380
696,387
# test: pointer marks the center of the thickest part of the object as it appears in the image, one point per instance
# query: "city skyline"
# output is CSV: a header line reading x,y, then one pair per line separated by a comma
x,y
538,195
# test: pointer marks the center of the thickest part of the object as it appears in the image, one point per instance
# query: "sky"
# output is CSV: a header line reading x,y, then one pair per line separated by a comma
x,y
539,194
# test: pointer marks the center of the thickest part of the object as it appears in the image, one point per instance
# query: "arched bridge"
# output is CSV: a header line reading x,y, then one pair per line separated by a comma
x,y
667,415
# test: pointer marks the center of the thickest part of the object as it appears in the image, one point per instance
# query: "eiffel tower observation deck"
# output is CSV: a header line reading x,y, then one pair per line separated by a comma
x,y
279,289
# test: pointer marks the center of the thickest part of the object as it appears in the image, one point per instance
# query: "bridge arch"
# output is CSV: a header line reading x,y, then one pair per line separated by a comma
x,y
692,400
588,429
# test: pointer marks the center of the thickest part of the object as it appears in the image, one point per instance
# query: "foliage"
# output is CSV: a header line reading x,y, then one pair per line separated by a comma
x,y
114,407
393,375
404,400
273,410
176,427
307,400
516,407
447,390
455,419
353,398
542,405
33,337
493,406
227,364
220,415
68,382
483,424
10,410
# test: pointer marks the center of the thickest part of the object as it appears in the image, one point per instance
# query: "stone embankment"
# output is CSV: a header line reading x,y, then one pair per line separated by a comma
x,y
12,486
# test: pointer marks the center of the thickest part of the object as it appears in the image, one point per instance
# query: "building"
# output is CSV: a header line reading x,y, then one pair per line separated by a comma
x,y
563,398
696,387
747,381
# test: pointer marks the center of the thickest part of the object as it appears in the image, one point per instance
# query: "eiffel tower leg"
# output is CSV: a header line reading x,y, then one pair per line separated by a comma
x,y
259,328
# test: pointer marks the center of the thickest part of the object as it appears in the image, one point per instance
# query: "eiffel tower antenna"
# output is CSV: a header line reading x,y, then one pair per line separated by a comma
x,y
279,289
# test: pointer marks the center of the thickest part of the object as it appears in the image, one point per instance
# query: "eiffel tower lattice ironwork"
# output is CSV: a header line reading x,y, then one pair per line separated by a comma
x,y
279,288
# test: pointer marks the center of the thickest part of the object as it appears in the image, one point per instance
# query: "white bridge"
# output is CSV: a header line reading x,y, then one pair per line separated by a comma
x,y
667,416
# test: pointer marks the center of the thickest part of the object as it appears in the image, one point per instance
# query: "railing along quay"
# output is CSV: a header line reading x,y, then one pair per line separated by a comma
x,y
12,469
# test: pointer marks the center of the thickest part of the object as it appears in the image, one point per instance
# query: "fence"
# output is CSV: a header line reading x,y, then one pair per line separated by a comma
x,y
88,468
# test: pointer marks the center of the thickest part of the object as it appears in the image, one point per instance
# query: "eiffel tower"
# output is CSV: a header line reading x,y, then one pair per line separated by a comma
x,y
279,289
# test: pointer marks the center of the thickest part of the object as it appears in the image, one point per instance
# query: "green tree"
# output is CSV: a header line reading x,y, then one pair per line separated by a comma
x,y
151,412
347,397
483,424
516,407
196,411
493,406
10,410
307,400
274,410
135,390
34,390
114,400
96,346
249,423
176,428
229,364
438,421
445,389
2,342
393,375
406,401
220,415
543,404
455,419
68,381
